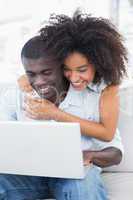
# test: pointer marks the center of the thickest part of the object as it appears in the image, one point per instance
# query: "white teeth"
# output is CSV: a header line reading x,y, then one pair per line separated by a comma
x,y
43,90
76,84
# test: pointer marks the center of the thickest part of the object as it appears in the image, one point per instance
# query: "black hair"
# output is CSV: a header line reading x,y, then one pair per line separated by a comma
x,y
34,48
96,38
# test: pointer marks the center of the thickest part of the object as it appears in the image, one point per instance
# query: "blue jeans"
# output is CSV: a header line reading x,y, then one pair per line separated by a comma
x,y
17,187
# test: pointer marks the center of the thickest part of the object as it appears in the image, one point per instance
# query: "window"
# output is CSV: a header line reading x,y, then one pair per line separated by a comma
x,y
122,17
126,27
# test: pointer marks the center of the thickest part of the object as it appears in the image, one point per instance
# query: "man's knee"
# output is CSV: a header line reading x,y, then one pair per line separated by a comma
x,y
69,189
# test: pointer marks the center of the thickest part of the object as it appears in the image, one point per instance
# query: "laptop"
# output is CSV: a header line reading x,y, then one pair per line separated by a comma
x,y
50,149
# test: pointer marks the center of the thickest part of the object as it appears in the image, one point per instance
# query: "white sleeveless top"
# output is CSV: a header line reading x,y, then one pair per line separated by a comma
x,y
85,104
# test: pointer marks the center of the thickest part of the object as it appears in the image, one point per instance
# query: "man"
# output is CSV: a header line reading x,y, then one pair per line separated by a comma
x,y
43,68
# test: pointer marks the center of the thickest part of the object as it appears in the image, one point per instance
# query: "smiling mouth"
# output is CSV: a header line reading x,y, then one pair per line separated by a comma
x,y
43,91
77,84
49,92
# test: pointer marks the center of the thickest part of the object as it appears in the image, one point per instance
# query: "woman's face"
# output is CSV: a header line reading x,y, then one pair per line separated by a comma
x,y
78,70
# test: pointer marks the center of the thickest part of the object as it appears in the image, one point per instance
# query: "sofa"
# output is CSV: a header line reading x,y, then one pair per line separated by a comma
x,y
119,179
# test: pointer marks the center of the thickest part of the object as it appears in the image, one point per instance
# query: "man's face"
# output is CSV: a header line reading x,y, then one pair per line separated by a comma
x,y
45,76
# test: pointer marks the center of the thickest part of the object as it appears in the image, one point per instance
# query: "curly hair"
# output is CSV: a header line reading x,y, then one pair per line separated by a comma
x,y
96,38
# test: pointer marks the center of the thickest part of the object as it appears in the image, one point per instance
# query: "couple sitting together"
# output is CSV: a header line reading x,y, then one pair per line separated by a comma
x,y
73,69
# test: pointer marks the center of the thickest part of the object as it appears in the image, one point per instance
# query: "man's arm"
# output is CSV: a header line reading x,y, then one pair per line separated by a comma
x,y
103,158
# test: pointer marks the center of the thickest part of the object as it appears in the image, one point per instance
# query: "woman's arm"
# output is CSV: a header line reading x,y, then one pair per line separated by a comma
x,y
24,84
109,111
104,130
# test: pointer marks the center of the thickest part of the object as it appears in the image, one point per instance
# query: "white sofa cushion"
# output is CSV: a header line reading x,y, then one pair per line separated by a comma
x,y
119,185
125,126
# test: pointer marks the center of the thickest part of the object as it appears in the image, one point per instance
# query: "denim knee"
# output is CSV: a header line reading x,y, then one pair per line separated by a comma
x,y
90,187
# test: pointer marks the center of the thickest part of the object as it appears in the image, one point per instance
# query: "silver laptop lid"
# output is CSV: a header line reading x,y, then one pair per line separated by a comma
x,y
51,149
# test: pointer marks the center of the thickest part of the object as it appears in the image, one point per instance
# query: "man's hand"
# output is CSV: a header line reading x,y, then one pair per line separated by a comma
x,y
103,158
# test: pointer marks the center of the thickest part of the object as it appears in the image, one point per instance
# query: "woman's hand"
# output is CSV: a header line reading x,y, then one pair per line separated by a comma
x,y
24,84
40,109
